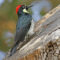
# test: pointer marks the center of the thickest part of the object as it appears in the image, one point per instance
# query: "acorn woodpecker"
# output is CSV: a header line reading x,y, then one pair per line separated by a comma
x,y
25,26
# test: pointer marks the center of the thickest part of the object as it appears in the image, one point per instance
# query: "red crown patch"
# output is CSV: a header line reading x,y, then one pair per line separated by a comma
x,y
17,8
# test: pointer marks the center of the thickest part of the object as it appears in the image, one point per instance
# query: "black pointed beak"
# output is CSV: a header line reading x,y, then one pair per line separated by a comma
x,y
30,6
27,7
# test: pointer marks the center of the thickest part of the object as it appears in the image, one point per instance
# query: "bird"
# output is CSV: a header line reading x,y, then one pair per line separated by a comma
x,y
25,26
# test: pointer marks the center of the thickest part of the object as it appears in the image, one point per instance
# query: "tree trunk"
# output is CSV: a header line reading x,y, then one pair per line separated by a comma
x,y
45,43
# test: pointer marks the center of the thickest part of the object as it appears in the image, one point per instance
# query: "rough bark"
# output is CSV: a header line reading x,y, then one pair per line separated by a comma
x,y
45,43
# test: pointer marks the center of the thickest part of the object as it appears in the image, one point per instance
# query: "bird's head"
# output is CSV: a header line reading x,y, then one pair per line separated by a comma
x,y
21,9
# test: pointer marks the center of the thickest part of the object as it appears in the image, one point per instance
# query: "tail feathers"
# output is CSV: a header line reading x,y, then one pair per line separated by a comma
x,y
13,50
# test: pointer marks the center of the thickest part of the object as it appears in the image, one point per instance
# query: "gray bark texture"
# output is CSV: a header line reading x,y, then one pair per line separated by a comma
x,y
45,43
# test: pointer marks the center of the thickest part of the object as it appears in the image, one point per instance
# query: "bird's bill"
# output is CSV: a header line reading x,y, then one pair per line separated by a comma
x,y
29,6
25,11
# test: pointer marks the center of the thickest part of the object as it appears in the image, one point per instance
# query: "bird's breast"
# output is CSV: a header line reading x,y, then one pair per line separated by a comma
x,y
24,21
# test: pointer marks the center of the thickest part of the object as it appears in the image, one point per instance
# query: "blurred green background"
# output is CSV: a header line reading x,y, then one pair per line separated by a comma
x,y
8,19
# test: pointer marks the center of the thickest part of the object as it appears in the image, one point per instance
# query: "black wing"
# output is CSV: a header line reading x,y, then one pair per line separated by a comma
x,y
22,27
